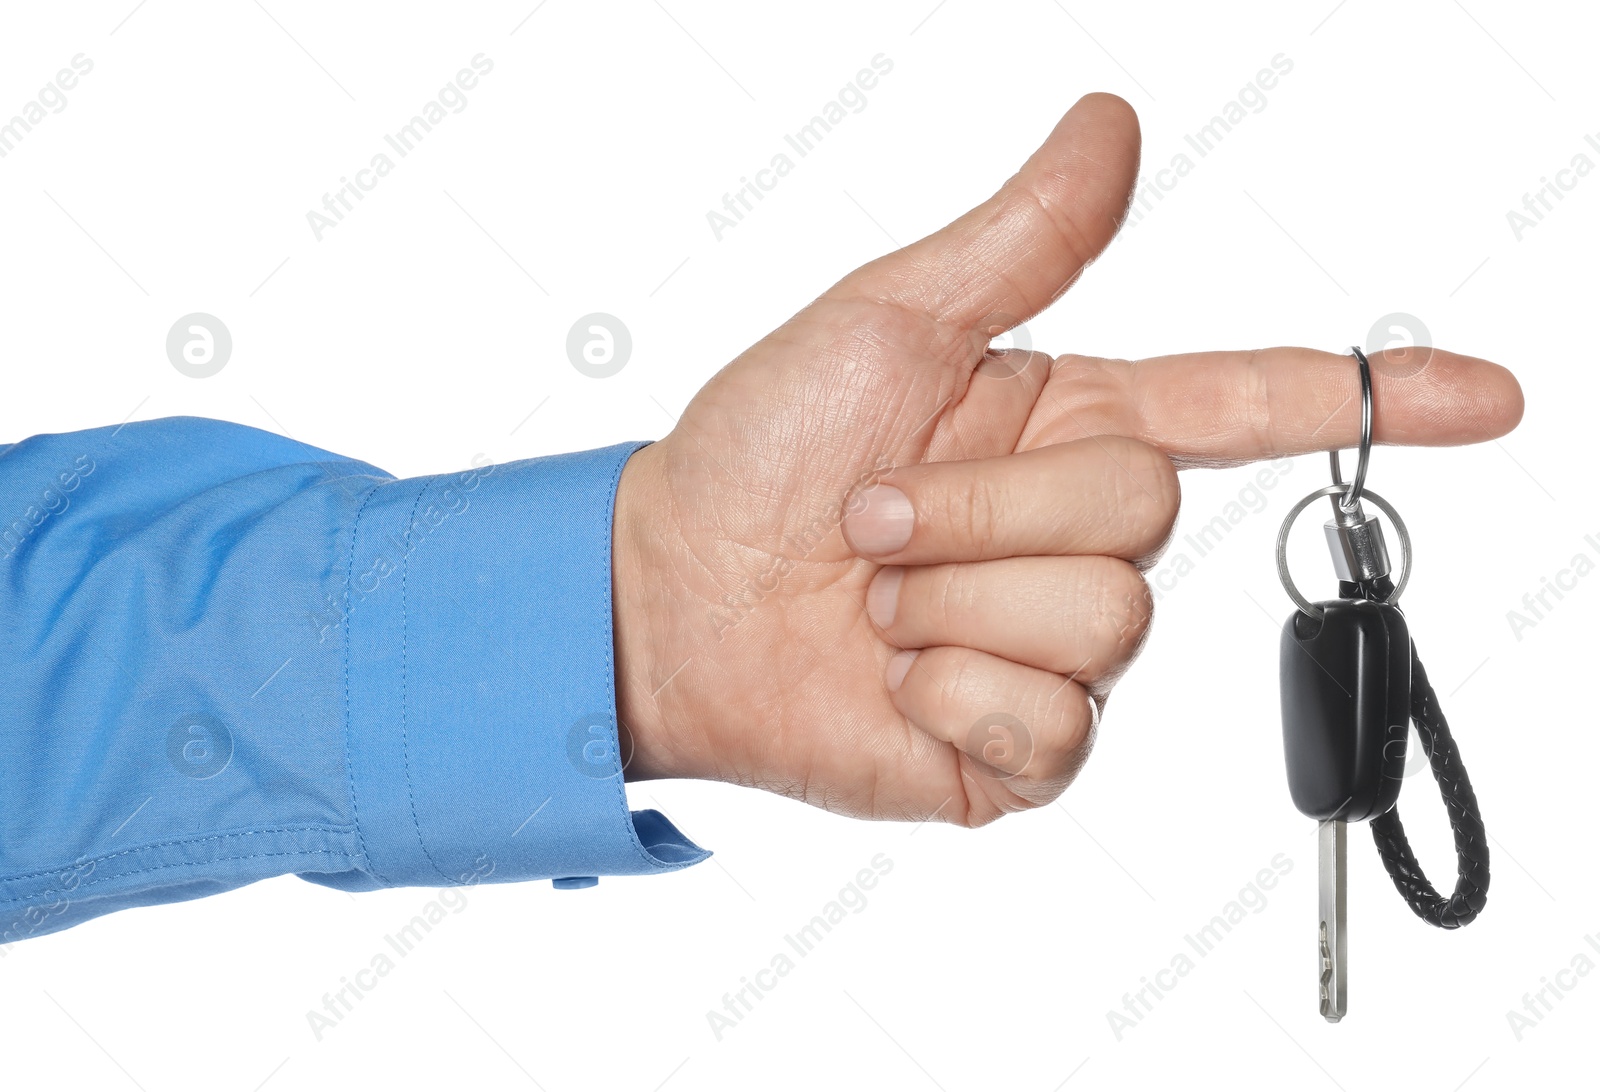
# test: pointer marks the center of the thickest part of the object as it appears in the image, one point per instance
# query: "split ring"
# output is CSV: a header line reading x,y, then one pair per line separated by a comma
x,y
1328,491
1352,496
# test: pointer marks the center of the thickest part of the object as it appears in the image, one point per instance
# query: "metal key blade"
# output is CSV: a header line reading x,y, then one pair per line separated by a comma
x,y
1332,941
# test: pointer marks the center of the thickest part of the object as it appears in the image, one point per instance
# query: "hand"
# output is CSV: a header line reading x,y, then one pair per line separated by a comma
x,y
868,479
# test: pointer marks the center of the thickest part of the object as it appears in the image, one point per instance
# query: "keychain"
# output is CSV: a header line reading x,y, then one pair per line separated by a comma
x,y
1351,683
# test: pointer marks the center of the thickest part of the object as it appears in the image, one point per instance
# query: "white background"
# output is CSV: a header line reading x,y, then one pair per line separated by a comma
x,y
426,327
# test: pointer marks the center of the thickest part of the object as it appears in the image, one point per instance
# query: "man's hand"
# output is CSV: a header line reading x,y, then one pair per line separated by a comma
x,y
879,569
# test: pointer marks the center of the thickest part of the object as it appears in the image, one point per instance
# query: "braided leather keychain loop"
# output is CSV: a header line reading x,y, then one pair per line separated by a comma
x,y
1472,842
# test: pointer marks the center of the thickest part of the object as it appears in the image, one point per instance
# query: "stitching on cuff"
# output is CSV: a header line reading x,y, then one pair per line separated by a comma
x,y
405,630
349,768
608,522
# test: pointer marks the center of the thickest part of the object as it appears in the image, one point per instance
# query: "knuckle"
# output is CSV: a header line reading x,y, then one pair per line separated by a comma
x,y
950,669
1056,219
1258,400
1148,492
982,514
1061,753
952,598
1002,742
1127,607
1101,394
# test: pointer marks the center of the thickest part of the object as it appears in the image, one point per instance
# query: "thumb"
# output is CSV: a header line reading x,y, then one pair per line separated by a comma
x,y
1012,256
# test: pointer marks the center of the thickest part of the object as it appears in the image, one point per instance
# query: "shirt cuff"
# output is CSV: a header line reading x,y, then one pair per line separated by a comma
x,y
479,686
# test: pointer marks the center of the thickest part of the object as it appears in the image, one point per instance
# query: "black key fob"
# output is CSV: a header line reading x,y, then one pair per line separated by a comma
x,y
1346,689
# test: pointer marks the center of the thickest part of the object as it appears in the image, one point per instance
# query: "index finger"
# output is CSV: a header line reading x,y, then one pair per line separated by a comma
x,y
1225,408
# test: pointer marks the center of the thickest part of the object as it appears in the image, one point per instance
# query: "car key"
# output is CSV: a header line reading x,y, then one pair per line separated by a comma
x,y
1345,682
1351,685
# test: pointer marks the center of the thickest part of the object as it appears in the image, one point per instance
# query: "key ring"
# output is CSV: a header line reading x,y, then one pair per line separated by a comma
x,y
1353,495
1347,502
1328,491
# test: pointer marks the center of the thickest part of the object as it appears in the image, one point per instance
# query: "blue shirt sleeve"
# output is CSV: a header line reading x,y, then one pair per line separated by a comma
x,y
229,656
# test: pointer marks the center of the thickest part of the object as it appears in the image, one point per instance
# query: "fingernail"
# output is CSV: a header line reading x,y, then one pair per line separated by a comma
x,y
883,594
899,664
882,523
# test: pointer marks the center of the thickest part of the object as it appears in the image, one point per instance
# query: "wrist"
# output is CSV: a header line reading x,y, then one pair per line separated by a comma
x,y
640,617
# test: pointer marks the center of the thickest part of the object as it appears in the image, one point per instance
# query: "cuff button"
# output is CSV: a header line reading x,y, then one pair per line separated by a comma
x,y
573,883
